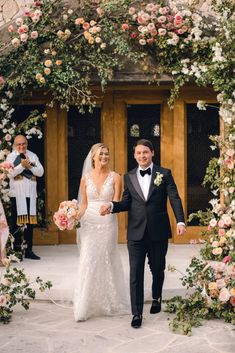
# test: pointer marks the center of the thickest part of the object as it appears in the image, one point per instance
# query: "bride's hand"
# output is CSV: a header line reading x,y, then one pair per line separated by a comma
x,y
105,209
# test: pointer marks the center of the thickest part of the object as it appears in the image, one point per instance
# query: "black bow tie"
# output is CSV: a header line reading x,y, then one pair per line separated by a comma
x,y
146,171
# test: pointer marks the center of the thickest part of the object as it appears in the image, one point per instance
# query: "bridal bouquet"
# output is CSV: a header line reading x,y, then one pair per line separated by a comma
x,y
67,216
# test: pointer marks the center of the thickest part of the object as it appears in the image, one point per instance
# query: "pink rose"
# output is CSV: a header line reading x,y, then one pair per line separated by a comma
x,y
219,266
19,21
224,295
125,26
220,283
86,26
24,37
8,137
34,35
5,282
230,152
2,81
3,300
15,42
162,32
229,163
163,10
213,223
221,232
161,19
226,259
133,35
11,29
131,11
221,223
227,220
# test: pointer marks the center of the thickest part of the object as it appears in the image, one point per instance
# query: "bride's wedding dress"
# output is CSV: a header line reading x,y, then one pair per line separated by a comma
x,y
100,287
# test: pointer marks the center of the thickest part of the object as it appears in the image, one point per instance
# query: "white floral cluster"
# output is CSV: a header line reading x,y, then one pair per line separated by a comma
x,y
227,108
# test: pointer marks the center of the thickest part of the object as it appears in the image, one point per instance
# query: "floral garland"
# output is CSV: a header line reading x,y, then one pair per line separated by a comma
x,y
60,50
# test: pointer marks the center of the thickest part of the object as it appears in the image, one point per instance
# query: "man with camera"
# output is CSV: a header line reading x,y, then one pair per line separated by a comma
x,y
23,192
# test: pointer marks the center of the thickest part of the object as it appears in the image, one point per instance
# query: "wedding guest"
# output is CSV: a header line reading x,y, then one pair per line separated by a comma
x,y
23,191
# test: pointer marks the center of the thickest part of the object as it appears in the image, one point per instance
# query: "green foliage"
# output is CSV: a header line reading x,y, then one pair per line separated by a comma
x,y
15,288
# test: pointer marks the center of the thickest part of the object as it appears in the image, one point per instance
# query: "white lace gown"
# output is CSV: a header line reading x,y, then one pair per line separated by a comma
x,y
100,288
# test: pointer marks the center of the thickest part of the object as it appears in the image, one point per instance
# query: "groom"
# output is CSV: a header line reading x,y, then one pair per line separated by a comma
x,y
147,188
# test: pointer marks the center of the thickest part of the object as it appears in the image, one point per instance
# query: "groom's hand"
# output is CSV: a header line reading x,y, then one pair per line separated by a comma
x,y
180,229
105,209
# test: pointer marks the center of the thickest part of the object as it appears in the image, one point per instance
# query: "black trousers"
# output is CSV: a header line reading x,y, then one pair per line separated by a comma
x,y
156,253
27,234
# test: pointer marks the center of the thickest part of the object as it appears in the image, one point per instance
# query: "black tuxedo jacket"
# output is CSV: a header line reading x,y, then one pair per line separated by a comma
x,y
150,213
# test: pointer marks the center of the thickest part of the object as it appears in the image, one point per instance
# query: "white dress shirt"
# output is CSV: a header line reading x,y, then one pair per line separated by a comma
x,y
144,181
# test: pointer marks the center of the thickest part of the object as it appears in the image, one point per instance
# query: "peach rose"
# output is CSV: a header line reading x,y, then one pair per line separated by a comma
x,y
48,63
212,285
217,251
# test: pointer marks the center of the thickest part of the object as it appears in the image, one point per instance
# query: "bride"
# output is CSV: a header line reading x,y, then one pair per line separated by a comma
x,y
100,287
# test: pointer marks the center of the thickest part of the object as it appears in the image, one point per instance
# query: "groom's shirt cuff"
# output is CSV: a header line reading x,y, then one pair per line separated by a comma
x,y
111,207
181,224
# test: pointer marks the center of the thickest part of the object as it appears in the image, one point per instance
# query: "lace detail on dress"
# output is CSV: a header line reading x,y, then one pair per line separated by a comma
x,y
100,287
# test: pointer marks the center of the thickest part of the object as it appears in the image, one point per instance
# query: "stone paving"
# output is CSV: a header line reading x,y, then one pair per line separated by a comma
x,y
50,328
47,328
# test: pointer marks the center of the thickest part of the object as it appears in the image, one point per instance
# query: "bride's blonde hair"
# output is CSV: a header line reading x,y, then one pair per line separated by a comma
x,y
94,149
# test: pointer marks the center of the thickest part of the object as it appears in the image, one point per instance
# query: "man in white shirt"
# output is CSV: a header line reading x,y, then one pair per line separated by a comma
x,y
147,188
23,192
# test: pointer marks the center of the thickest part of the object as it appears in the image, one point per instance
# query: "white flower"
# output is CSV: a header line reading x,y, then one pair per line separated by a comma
x,y
158,179
201,105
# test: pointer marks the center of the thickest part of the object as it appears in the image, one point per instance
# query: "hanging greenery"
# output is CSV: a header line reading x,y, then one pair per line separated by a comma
x,y
61,51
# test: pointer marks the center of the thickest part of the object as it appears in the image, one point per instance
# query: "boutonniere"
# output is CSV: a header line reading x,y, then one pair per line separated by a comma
x,y
158,179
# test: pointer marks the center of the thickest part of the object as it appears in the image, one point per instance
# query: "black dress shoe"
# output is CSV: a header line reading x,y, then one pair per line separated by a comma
x,y
136,321
31,255
156,306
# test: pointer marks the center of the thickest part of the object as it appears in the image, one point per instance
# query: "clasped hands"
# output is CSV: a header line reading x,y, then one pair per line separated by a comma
x,y
105,209
26,163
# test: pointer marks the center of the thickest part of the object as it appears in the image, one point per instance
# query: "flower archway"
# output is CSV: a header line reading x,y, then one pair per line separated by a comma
x,y
59,50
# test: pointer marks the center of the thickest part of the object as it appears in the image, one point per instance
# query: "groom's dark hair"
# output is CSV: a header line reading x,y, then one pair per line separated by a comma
x,y
144,142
